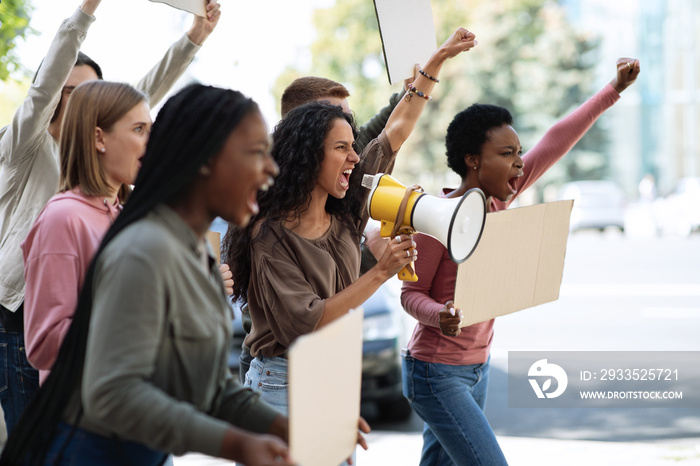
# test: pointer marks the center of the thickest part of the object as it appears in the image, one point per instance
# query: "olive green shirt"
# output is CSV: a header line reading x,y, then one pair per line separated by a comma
x,y
156,368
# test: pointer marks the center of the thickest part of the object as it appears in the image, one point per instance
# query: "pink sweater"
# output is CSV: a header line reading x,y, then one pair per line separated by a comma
x,y
437,273
57,252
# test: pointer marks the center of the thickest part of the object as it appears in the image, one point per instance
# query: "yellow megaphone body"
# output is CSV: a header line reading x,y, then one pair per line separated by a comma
x,y
457,223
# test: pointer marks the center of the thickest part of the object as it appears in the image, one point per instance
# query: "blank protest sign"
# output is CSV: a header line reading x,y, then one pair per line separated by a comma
x,y
196,7
408,35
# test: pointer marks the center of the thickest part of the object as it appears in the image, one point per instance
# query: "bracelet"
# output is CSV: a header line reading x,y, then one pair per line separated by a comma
x,y
432,78
412,89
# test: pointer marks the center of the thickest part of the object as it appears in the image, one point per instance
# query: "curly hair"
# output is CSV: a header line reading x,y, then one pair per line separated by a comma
x,y
298,149
469,130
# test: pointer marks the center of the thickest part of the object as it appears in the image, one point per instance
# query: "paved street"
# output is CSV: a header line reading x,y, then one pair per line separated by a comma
x,y
619,293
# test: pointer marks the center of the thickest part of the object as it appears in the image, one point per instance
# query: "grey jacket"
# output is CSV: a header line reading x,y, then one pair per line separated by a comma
x,y
29,155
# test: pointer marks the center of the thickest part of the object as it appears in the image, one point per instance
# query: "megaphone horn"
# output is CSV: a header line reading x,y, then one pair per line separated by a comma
x,y
457,223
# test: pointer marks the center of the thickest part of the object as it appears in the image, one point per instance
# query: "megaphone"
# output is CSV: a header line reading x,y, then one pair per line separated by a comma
x,y
457,223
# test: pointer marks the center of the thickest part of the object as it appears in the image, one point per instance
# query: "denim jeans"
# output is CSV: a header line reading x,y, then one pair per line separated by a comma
x,y
268,376
450,400
85,448
18,379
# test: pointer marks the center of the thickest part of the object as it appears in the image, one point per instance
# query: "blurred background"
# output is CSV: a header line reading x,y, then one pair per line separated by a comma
x,y
538,58
631,280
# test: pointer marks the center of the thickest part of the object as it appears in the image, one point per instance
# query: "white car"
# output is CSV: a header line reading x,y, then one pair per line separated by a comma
x,y
598,204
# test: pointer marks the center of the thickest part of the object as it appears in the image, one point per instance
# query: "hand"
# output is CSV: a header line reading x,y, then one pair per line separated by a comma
x,y
400,252
227,277
202,27
460,41
406,83
254,450
375,242
363,427
89,6
450,320
627,71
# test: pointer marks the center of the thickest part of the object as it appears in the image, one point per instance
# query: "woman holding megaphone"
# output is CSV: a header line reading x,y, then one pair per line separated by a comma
x,y
298,263
446,369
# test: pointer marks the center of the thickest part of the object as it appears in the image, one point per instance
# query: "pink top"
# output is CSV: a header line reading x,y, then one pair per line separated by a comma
x,y
437,273
57,252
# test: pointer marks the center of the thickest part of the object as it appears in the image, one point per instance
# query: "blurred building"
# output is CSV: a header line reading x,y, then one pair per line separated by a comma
x,y
654,128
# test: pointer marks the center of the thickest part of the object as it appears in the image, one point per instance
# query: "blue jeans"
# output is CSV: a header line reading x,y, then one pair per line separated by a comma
x,y
450,400
18,379
85,448
268,376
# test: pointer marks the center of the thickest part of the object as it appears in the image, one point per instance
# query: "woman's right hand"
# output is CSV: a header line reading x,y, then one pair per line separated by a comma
x,y
400,252
255,449
450,320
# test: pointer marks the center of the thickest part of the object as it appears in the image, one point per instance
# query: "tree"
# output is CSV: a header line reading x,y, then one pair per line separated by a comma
x,y
529,60
14,24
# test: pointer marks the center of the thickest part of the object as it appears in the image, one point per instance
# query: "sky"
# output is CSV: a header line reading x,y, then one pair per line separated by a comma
x,y
251,45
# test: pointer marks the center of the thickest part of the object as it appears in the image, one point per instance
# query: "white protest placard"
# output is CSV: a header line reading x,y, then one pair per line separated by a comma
x,y
408,35
196,7
518,264
325,376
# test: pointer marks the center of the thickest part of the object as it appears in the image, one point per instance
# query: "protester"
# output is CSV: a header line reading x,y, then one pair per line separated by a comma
x,y
29,169
105,131
446,369
315,89
297,263
143,369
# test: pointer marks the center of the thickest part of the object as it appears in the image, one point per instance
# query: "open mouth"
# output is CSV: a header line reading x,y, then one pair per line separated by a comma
x,y
513,184
345,178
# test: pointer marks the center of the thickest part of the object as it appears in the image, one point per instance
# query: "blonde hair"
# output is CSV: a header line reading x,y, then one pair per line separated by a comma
x,y
91,105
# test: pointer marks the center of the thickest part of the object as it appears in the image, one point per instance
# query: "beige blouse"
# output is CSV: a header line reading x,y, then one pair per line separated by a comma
x,y
292,276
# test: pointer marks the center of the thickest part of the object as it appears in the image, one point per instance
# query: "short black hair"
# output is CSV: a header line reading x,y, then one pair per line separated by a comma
x,y
468,132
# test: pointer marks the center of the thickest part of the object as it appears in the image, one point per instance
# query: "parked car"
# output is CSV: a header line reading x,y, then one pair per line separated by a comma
x,y
382,332
679,212
597,204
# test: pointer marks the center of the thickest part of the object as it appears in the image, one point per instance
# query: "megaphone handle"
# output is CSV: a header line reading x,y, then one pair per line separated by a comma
x,y
407,274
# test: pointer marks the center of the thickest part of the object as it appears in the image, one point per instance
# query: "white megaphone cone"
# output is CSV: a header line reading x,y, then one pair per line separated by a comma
x,y
456,223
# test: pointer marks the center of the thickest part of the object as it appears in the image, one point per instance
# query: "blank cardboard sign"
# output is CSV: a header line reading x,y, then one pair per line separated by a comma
x,y
325,374
518,264
196,7
408,35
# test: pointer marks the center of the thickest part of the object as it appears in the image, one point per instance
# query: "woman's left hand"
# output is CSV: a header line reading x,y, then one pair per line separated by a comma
x,y
627,71
203,27
227,277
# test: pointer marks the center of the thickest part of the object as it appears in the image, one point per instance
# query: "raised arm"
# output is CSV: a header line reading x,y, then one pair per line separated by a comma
x,y
376,124
405,116
32,119
168,70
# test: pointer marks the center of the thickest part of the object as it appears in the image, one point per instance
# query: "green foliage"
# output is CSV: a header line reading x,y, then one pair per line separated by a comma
x,y
14,16
529,60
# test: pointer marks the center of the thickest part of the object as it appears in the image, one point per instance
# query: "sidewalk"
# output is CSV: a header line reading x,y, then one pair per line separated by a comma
x,y
403,449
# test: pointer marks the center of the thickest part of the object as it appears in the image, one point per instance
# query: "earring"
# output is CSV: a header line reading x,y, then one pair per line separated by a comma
x,y
103,150
204,170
